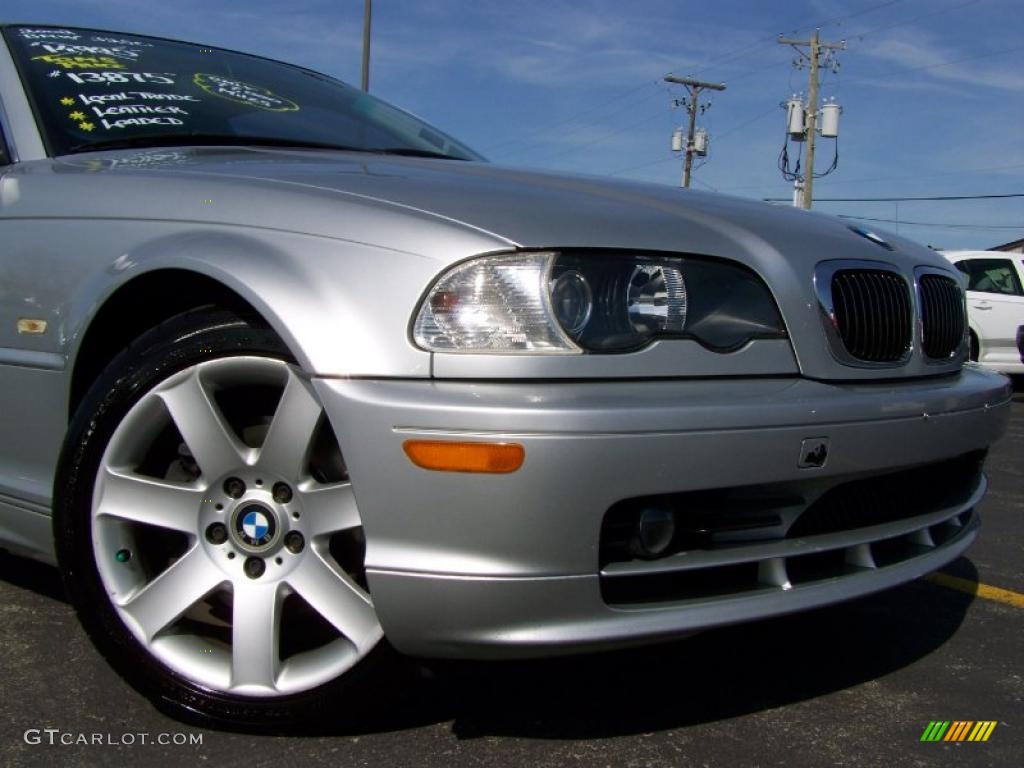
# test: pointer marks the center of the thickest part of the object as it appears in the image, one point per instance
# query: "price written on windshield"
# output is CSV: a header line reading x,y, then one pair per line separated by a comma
x,y
158,78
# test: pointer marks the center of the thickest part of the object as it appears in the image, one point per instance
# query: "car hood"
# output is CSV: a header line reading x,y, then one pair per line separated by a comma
x,y
532,209
447,210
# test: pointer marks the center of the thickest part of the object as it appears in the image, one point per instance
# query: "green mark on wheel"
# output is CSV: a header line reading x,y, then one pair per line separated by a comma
x,y
123,556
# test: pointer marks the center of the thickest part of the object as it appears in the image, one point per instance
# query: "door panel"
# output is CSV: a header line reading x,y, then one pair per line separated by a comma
x,y
33,380
995,304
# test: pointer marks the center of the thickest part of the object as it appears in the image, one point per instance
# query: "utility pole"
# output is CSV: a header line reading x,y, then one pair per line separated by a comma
x,y
804,192
694,87
367,13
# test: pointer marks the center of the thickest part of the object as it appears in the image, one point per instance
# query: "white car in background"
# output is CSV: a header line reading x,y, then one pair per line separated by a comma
x,y
995,307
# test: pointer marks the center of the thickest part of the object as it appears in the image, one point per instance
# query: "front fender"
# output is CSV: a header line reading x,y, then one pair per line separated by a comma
x,y
342,308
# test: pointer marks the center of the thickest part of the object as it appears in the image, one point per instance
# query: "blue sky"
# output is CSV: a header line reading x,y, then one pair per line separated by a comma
x,y
932,90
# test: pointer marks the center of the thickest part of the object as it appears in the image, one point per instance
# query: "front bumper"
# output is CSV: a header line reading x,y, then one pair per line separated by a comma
x,y
508,565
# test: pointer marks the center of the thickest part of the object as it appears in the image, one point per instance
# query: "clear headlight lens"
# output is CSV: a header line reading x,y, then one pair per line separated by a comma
x,y
572,301
656,300
498,304
565,303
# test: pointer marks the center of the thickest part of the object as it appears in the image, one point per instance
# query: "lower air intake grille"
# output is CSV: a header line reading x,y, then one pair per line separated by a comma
x,y
942,316
744,542
873,314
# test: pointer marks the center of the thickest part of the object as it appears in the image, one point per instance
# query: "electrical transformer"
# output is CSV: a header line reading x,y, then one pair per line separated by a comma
x,y
830,120
700,142
677,140
795,118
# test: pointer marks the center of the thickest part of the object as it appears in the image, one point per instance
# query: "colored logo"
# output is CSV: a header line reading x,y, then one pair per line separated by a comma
x,y
255,526
958,730
243,93
80,62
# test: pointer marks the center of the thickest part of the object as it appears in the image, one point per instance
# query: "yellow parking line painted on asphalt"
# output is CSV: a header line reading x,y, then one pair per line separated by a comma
x,y
1005,596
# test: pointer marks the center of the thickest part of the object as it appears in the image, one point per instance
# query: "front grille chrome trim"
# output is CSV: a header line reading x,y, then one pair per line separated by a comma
x,y
894,327
941,315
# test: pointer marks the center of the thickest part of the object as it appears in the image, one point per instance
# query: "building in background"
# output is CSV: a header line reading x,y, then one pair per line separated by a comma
x,y
1015,246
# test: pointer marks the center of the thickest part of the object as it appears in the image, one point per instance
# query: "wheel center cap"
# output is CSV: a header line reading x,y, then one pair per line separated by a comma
x,y
255,525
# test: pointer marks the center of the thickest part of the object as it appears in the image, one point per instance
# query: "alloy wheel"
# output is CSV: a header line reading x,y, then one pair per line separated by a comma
x,y
226,533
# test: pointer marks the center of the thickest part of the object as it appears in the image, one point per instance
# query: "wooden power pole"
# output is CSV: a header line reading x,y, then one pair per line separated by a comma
x,y
814,61
367,13
694,87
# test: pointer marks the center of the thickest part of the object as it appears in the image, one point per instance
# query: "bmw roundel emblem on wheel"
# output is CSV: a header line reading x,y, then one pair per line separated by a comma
x,y
256,526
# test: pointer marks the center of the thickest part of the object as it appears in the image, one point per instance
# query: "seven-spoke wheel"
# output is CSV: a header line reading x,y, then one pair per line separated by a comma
x,y
210,517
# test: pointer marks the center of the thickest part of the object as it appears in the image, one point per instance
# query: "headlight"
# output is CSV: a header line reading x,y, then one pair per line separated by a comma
x,y
572,300
656,299
493,304
566,303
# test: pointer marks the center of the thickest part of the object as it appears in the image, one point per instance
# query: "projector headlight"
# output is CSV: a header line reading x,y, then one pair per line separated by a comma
x,y
570,303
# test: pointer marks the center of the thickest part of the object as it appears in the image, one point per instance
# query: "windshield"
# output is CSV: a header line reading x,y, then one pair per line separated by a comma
x,y
94,90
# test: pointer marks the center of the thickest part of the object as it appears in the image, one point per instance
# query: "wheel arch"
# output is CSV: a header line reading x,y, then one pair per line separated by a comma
x,y
322,297
974,340
135,306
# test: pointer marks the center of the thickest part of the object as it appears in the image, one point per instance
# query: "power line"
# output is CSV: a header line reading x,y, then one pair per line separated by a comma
x,y
644,165
574,116
939,225
739,52
760,70
900,199
602,138
944,63
906,177
760,116
860,13
705,184
915,177
886,27
773,109
729,56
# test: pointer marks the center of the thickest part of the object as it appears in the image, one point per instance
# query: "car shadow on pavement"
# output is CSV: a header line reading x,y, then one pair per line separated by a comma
x,y
710,676
31,574
715,675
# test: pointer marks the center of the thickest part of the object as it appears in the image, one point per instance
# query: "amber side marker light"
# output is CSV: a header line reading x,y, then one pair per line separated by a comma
x,y
445,456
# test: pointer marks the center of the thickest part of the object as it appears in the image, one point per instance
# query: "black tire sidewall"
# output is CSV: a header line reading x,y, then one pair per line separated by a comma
x,y
175,345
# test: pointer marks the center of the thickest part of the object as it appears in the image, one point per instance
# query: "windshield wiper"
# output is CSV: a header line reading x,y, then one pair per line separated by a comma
x,y
205,140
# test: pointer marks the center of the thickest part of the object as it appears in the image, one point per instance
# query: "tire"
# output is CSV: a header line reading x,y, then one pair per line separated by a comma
x,y
225,605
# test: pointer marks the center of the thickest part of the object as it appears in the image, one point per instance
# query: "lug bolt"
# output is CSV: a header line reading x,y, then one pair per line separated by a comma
x,y
234,487
254,567
282,493
294,542
217,533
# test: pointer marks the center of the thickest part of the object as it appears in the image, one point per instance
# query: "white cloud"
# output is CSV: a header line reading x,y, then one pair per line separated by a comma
x,y
924,61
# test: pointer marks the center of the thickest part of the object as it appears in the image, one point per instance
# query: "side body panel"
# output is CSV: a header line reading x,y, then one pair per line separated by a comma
x,y
995,304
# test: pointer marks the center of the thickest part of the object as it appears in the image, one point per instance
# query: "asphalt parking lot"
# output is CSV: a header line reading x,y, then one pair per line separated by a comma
x,y
855,684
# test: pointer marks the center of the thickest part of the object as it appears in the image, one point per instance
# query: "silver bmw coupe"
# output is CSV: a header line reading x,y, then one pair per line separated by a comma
x,y
292,380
